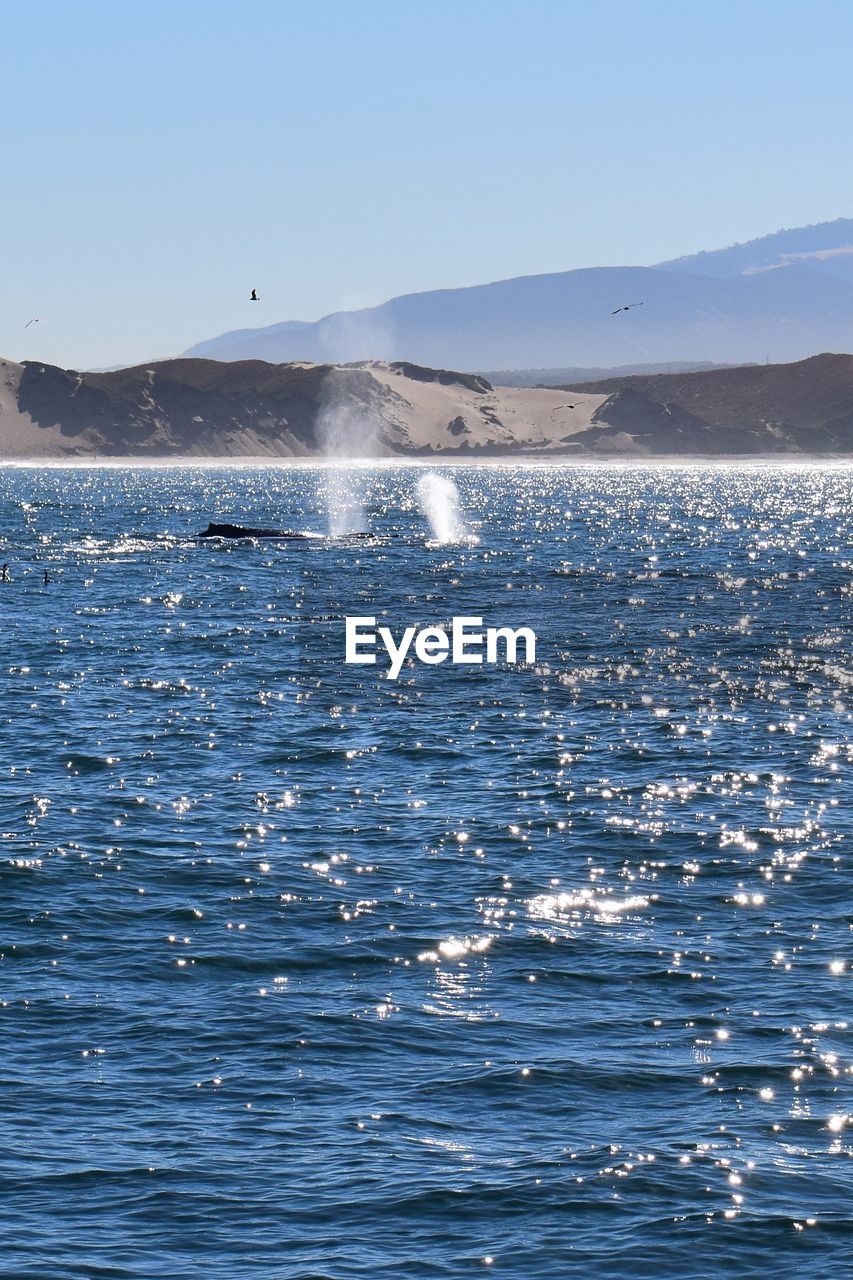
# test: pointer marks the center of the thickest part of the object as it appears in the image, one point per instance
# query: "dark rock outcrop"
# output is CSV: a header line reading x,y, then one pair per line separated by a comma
x,y
445,377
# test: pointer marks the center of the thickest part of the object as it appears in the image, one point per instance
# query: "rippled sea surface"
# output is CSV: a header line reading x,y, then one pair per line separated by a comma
x,y
538,972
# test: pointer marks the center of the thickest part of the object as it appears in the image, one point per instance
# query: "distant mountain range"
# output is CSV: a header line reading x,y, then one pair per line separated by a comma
x,y
572,374
207,408
779,298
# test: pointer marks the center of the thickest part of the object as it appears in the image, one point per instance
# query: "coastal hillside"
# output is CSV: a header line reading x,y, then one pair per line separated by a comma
x,y
206,408
802,407
783,297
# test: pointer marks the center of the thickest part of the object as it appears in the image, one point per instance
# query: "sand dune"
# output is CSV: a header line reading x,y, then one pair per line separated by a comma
x,y
199,408
252,409
432,416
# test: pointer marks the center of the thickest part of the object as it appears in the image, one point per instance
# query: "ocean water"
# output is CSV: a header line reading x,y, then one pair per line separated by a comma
x,y
539,972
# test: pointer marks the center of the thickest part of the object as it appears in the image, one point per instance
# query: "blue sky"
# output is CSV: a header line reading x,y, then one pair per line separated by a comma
x,y
161,159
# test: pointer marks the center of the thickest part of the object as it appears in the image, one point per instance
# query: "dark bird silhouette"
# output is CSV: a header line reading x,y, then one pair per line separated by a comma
x,y
627,307
254,297
33,321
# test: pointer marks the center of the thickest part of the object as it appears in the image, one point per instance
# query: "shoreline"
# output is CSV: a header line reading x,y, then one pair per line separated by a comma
x,y
387,463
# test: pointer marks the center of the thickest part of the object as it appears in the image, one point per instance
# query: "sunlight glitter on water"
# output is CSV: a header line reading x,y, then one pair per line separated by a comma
x,y
575,935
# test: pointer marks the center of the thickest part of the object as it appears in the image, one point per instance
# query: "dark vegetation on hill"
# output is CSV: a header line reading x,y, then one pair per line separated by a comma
x,y
803,407
198,408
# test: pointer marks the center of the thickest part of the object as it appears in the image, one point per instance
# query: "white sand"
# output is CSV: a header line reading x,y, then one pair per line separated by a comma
x,y
417,416
505,418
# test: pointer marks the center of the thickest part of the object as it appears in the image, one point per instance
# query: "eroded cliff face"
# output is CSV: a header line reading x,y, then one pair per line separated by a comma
x,y
193,407
207,408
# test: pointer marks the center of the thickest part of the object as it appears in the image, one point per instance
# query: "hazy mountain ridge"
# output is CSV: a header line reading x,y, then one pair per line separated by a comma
x,y
827,246
206,408
781,297
571,376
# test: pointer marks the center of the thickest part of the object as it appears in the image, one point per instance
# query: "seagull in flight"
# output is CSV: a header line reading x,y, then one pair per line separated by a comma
x,y
627,307
35,320
254,297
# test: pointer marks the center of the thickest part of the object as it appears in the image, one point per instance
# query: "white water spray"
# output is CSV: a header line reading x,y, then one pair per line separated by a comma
x,y
344,502
439,499
345,431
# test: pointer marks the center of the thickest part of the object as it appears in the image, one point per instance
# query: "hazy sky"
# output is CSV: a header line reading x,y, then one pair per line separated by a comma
x,y
162,158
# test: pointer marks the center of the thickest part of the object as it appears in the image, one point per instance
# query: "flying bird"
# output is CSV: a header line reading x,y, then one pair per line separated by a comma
x,y
627,307
35,320
254,297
